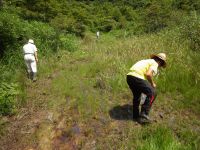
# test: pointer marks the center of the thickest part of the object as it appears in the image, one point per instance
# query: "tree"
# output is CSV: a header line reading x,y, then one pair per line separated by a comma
x,y
43,10
187,5
157,16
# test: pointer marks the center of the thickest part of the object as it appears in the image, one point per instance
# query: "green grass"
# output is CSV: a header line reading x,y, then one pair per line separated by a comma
x,y
84,86
159,138
94,80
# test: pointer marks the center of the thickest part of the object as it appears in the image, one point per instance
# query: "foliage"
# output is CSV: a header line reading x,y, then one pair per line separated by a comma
x,y
157,16
69,43
10,27
159,138
17,31
191,31
92,81
188,5
68,25
37,10
8,93
138,3
77,17
14,33
45,37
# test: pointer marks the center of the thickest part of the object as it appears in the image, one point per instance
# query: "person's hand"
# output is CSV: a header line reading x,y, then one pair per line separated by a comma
x,y
154,85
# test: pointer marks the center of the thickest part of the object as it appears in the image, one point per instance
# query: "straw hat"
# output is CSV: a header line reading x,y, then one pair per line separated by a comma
x,y
31,41
161,56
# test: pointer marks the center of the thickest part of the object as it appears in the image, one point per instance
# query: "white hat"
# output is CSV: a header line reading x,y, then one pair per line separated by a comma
x,y
161,56
31,41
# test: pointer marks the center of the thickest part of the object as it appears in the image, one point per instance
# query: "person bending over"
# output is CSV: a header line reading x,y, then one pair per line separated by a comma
x,y
140,80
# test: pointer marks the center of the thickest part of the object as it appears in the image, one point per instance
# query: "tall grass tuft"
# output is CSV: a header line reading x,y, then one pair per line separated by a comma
x,y
159,138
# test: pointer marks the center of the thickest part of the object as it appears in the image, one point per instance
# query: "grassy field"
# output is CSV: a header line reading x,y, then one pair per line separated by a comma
x,y
81,99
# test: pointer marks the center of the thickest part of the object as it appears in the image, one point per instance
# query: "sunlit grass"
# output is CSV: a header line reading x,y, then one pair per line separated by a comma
x,y
89,83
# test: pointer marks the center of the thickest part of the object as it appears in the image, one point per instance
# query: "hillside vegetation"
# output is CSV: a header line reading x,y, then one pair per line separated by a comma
x,y
81,99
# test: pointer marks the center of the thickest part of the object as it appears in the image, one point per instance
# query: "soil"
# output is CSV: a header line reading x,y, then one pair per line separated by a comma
x,y
36,127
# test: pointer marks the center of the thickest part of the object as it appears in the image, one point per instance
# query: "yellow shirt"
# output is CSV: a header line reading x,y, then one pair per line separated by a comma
x,y
141,67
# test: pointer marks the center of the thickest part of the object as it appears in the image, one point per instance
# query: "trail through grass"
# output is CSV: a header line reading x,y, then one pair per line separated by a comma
x,y
81,101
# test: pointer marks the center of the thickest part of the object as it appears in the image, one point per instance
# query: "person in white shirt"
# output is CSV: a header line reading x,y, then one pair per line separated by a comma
x,y
31,59
98,34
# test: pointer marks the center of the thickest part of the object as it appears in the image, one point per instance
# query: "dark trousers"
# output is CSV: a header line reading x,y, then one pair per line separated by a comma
x,y
139,86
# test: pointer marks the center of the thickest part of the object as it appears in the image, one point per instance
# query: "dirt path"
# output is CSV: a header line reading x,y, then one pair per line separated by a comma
x,y
64,126
23,126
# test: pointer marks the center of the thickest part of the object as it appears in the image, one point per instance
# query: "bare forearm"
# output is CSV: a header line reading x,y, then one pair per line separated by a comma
x,y
149,78
36,56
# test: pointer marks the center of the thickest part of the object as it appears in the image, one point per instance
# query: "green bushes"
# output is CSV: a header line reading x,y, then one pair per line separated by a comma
x,y
69,25
39,10
69,43
191,31
8,93
14,33
77,17
46,38
9,31
156,16
182,73
188,5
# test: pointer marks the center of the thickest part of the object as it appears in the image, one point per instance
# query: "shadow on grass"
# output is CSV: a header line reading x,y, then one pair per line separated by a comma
x,y
124,112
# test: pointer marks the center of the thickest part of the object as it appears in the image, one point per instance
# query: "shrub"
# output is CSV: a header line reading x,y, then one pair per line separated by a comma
x,y
106,24
45,36
156,16
8,93
10,32
191,31
38,10
69,42
139,3
116,14
68,24
187,5
15,32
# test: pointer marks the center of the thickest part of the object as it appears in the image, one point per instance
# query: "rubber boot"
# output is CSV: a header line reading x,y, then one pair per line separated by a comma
x,y
144,115
34,77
